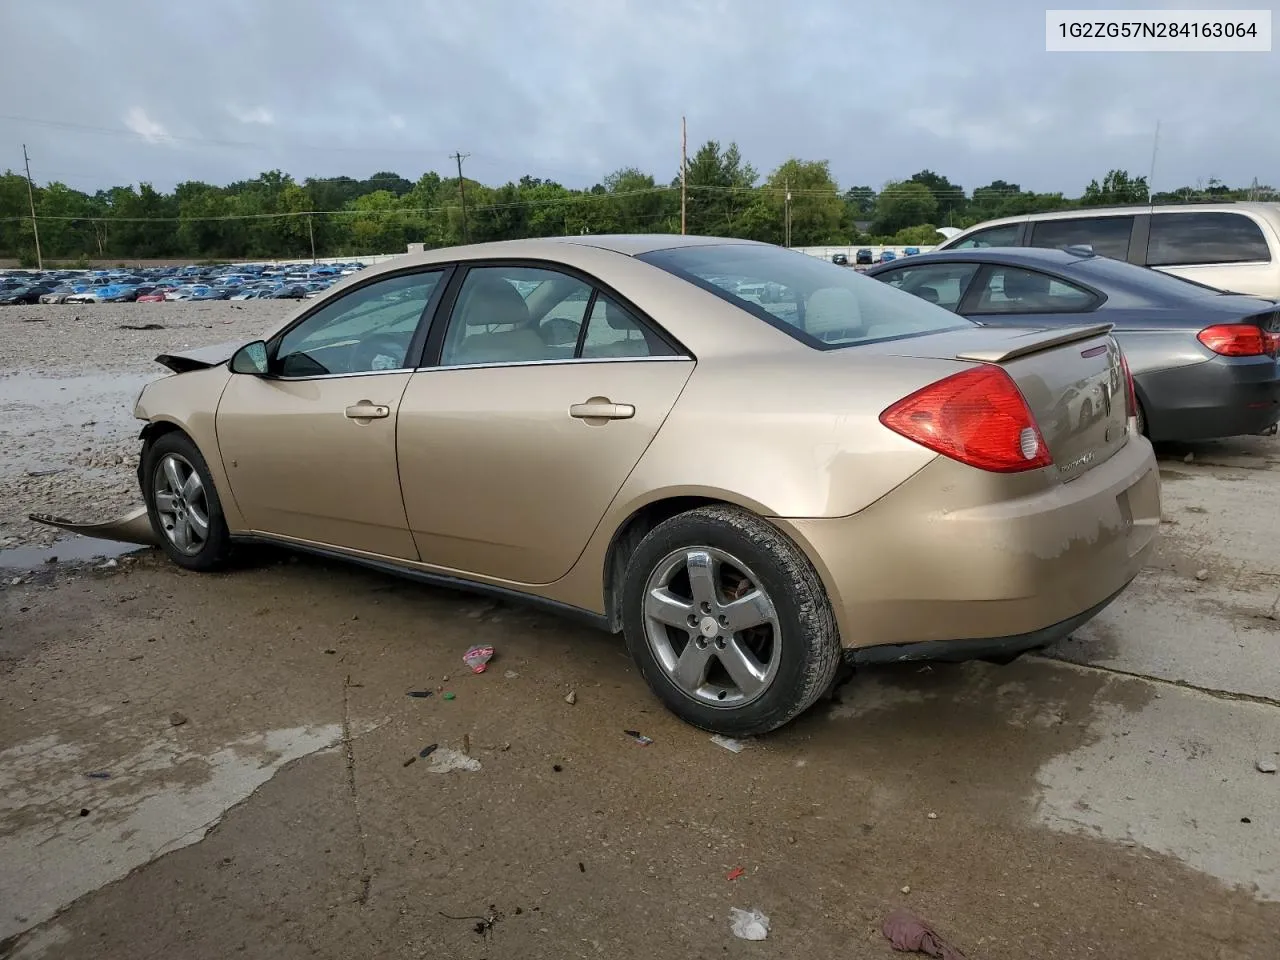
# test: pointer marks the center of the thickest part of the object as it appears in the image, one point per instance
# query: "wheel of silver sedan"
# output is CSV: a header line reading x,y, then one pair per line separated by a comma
x,y
181,503
712,627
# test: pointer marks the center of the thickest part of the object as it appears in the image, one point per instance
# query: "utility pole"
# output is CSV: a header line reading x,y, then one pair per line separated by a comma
x,y
786,213
31,199
1151,176
312,234
462,192
684,174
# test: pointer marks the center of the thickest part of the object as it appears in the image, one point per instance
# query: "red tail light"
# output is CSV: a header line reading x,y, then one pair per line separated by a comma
x,y
978,417
1239,340
1130,391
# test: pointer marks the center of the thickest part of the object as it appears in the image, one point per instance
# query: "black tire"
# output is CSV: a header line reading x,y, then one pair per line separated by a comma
x,y
215,550
1142,420
809,652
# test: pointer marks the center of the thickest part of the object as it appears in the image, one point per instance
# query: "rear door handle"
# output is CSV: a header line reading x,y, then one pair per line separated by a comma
x,y
367,410
599,408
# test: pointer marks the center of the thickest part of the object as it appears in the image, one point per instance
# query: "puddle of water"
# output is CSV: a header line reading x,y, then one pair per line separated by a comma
x,y
46,420
161,796
74,549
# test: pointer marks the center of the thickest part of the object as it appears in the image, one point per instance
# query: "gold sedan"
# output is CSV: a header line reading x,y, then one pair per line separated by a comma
x,y
753,463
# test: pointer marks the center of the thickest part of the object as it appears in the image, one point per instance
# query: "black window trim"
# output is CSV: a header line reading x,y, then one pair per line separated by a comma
x,y
446,271
428,357
1255,221
760,313
1021,239
983,276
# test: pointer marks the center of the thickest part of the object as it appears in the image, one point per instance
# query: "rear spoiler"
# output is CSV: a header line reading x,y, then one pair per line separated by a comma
x,y
1035,341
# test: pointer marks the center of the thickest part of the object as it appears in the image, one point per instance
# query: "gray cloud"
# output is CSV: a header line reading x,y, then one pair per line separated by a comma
x,y
572,89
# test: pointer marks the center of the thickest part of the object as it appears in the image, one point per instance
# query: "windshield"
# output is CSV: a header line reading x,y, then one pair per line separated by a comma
x,y
815,301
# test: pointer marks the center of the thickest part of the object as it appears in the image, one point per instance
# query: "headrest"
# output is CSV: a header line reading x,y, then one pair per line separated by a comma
x,y
832,308
927,293
617,318
492,301
1020,283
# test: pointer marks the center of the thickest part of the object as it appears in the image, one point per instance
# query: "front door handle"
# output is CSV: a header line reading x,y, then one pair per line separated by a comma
x,y
602,408
367,410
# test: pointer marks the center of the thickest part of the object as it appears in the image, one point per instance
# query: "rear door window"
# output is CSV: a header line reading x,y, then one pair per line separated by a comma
x,y
1002,236
1108,236
1015,290
940,283
1179,239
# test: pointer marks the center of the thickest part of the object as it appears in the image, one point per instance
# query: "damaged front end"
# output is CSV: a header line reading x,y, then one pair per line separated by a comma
x,y
131,527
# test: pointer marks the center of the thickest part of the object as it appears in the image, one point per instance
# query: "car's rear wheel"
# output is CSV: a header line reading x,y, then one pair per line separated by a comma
x,y
183,504
728,621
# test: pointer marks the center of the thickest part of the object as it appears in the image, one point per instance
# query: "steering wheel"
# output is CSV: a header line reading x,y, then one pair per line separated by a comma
x,y
382,351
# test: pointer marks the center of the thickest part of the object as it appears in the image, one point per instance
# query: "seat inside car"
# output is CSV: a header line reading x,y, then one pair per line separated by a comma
x,y
632,344
496,326
1030,291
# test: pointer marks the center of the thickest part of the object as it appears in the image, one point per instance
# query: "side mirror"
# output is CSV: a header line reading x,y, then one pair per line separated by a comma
x,y
250,359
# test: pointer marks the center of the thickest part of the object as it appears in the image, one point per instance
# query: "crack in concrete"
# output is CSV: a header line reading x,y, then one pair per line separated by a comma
x,y
366,877
1164,681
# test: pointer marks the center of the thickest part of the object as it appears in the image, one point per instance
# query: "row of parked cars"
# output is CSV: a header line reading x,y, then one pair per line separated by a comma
x,y
864,256
158,284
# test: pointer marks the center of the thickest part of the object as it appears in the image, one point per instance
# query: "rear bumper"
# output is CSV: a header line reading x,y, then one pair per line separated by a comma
x,y
950,558
1222,397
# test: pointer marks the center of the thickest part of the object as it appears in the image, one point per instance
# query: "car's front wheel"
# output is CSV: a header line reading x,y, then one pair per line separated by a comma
x,y
728,621
183,505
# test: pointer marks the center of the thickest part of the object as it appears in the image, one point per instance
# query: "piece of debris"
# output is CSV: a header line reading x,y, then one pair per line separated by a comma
x,y
909,934
177,719
511,675
446,760
46,473
1245,820
748,924
109,565
428,750
100,775
330,651
466,744
477,658
1188,458
933,816
906,889
733,746
84,812
420,693
1266,766
448,696
483,925
582,867
735,873
1202,575
571,699
141,326
409,761
638,737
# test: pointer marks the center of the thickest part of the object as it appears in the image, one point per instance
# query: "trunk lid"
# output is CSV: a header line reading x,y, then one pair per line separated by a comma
x,y
1073,380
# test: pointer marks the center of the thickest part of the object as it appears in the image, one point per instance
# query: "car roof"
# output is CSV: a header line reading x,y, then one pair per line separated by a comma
x,y
551,248
1030,256
1264,208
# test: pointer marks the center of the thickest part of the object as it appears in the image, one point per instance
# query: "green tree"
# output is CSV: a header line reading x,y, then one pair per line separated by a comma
x,y
1117,188
949,196
719,186
903,203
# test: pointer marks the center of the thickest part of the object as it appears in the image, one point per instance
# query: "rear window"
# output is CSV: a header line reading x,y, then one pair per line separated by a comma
x,y
1108,236
813,300
1005,235
1186,238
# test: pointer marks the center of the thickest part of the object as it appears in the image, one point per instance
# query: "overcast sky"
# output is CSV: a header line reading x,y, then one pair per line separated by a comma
x,y
220,90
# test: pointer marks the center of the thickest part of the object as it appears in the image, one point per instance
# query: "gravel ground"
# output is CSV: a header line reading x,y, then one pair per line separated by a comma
x,y
68,378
